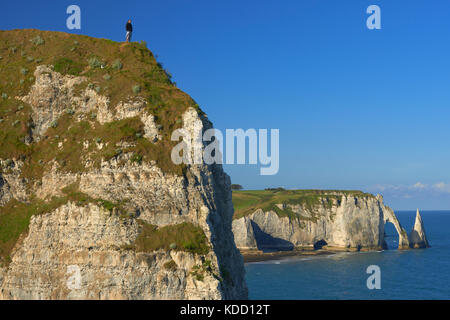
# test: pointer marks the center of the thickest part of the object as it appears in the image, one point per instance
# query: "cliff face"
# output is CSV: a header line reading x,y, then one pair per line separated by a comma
x,y
91,206
339,221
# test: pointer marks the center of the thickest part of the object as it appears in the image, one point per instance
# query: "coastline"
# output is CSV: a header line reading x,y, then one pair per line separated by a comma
x,y
250,256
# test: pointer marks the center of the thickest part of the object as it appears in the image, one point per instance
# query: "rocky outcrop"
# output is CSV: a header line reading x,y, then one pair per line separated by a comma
x,y
12,185
417,237
243,234
352,222
84,250
53,94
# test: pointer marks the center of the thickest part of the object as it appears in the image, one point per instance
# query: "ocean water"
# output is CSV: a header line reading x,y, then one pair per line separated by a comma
x,y
411,274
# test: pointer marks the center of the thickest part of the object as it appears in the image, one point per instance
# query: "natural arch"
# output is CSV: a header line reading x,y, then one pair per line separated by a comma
x,y
389,217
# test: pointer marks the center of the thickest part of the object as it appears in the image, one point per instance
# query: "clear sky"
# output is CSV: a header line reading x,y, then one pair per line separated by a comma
x,y
356,108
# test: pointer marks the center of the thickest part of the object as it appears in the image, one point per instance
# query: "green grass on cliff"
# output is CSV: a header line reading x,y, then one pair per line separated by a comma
x,y
184,236
248,201
116,70
14,220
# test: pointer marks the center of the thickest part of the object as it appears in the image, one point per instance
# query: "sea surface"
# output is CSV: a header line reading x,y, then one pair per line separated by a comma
x,y
410,274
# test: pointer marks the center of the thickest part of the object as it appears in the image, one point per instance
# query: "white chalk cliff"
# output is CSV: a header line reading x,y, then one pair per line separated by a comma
x,y
417,237
353,222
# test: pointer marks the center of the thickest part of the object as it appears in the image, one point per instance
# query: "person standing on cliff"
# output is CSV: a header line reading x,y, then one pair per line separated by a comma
x,y
129,29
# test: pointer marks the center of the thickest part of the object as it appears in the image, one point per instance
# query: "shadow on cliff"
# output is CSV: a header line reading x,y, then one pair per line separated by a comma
x,y
267,243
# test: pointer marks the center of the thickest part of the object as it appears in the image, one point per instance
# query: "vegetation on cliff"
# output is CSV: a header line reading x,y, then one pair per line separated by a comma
x,y
184,236
117,71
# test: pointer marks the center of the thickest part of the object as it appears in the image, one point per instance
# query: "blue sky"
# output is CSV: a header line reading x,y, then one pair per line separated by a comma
x,y
356,108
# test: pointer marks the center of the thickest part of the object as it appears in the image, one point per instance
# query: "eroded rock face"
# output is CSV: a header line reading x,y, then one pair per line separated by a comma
x,y
417,237
353,223
243,234
53,94
85,251
12,186
86,242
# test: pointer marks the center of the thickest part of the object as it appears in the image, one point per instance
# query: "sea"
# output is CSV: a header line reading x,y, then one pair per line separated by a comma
x,y
403,274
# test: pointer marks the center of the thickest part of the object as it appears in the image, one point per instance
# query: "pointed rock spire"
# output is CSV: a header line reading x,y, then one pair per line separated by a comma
x,y
418,238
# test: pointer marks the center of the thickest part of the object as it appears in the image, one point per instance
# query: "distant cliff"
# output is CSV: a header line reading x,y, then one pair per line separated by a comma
x,y
91,205
312,219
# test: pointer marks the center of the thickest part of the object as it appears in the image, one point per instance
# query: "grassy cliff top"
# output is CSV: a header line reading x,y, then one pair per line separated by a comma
x,y
119,71
248,201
